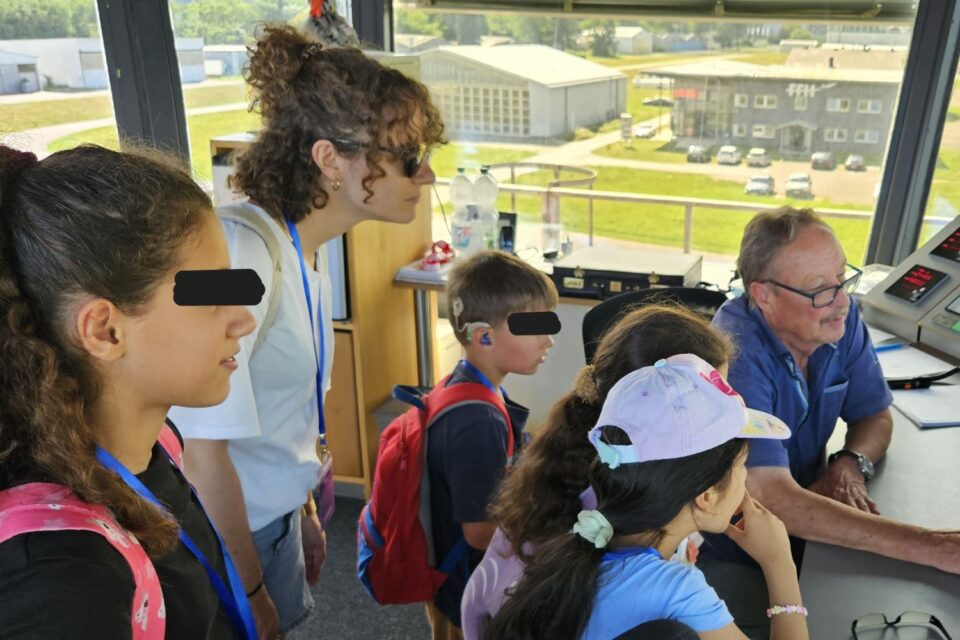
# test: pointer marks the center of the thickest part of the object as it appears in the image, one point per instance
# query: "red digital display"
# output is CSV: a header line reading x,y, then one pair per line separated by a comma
x,y
949,248
916,284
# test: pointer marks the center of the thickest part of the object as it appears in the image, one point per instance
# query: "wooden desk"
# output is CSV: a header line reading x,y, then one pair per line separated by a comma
x,y
917,482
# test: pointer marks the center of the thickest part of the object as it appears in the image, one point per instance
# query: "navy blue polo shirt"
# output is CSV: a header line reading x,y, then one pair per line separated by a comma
x,y
843,380
466,460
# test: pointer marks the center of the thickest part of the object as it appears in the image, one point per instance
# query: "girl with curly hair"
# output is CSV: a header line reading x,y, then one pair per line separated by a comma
x,y
343,140
96,520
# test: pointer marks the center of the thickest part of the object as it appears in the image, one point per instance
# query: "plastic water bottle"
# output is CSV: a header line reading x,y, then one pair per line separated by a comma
x,y
476,242
461,226
485,191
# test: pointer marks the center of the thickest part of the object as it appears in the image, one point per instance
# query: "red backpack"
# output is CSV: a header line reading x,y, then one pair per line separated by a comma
x,y
395,558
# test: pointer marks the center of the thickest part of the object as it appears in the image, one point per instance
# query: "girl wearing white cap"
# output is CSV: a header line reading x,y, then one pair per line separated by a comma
x,y
671,462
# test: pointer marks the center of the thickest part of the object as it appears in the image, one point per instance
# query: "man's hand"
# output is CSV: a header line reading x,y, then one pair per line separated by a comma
x,y
843,482
314,546
265,616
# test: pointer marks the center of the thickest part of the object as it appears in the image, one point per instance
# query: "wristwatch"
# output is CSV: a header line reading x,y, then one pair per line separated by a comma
x,y
864,463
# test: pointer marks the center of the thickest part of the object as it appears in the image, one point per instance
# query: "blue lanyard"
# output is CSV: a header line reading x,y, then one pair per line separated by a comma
x,y
233,599
321,362
482,377
627,552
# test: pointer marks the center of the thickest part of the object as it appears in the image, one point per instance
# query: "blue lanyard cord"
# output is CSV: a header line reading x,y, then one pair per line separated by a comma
x,y
482,377
321,362
233,599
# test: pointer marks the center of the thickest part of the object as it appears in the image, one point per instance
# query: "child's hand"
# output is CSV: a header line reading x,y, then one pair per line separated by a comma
x,y
760,533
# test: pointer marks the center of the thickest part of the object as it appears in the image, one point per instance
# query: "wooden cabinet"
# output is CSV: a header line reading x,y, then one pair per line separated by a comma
x,y
376,347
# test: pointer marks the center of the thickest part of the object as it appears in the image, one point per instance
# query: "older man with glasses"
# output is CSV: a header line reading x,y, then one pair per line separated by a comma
x,y
805,356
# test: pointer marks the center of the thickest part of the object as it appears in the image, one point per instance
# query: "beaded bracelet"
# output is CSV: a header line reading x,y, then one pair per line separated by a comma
x,y
786,608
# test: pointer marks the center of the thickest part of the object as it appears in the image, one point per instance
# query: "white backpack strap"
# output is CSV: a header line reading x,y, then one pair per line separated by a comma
x,y
249,219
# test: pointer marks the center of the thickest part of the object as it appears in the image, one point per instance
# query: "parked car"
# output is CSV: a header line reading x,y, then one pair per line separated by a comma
x,y
823,160
799,185
760,185
696,153
855,163
728,154
757,157
658,102
644,131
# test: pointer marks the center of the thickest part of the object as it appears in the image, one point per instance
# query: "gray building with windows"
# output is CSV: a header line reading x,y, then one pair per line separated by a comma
x,y
78,63
790,110
523,92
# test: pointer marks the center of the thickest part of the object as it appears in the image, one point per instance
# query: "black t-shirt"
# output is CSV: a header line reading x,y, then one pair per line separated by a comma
x,y
466,460
74,584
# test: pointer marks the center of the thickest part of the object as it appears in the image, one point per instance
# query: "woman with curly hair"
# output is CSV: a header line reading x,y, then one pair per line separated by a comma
x,y
99,531
548,487
343,140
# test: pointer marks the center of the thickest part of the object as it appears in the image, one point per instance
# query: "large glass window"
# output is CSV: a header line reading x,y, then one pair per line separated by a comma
x,y
690,89
54,90
211,40
943,203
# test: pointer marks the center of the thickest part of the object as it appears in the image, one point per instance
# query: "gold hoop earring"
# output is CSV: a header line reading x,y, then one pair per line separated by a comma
x,y
336,184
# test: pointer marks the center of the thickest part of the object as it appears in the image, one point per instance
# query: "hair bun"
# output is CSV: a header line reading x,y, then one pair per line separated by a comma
x,y
586,386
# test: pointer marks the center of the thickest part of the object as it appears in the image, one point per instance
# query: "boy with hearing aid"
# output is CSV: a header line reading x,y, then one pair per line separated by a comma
x,y
492,299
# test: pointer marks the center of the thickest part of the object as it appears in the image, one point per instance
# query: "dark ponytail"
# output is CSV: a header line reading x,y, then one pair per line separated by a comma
x,y
554,599
84,222
541,496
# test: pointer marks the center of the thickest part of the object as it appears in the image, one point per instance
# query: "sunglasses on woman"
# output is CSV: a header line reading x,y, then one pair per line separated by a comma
x,y
413,157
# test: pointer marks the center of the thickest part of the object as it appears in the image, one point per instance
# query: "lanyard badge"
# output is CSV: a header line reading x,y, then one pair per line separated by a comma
x,y
321,364
232,598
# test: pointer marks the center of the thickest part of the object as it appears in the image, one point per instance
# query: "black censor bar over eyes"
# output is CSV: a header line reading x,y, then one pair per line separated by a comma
x,y
533,323
217,287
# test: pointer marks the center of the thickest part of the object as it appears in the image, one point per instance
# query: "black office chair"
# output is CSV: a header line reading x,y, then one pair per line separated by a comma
x,y
604,315
660,630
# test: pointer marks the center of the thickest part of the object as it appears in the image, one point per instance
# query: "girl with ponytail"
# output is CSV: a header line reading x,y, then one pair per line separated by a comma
x,y
670,455
94,351
544,492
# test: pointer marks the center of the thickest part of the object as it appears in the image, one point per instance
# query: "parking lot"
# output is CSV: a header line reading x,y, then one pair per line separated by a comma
x,y
839,185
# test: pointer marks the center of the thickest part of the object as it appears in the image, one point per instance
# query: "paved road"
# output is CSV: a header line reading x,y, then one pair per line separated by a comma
x,y
37,140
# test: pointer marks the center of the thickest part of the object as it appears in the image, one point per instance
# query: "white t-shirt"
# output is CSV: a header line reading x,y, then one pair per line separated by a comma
x,y
270,416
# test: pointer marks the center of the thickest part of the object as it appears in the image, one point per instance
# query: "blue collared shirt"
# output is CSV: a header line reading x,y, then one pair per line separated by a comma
x,y
843,380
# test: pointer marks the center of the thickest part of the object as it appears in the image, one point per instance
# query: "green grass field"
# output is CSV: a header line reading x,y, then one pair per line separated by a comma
x,y
201,129
30,115
446,159
714,230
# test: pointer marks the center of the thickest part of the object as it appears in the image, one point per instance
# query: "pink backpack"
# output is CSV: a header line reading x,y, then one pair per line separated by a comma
x,y
42,506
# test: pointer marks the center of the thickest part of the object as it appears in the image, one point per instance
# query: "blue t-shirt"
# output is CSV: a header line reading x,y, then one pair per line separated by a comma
x,y
843,380
466,459
637,586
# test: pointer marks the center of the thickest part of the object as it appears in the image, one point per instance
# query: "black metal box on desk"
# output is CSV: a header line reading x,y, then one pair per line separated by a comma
x,y
603,272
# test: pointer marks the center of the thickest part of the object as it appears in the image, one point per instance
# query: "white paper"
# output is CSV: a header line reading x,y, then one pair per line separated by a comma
x,y
878,335
938,406
907,362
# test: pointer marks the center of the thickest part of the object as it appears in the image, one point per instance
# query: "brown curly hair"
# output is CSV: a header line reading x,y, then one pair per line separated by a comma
x,y
540,498
305,93
86,221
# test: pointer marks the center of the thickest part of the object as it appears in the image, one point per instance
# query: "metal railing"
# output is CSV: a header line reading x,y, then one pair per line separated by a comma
x,y
688,204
